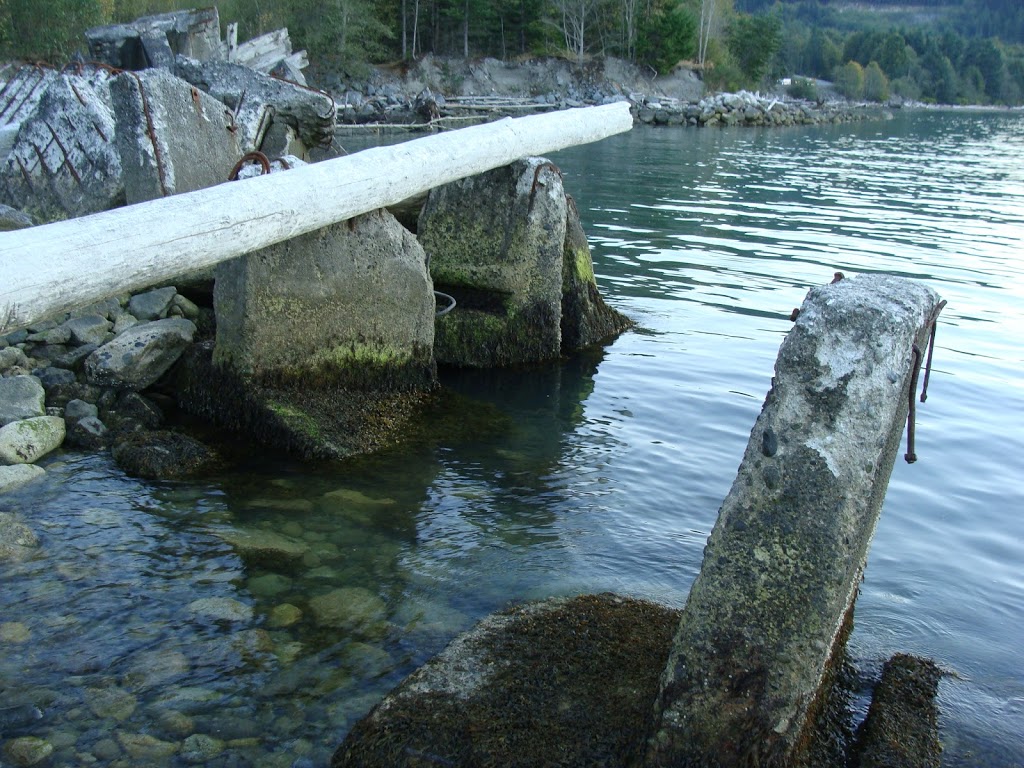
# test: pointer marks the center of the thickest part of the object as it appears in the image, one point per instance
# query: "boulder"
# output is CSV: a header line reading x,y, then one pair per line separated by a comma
x,y
152,305
12,357
141,355
12,218
64,163
89,329
26,441
349,609
172,137
264,548
21,397
14,476
89,433
161,455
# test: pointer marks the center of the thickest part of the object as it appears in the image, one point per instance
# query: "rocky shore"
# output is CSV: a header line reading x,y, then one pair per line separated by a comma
x,y
443,94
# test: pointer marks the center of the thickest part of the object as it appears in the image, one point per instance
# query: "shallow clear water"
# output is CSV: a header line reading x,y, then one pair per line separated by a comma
x,y
604,473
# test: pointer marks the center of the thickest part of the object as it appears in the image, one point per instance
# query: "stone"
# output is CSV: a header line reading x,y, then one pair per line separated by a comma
x,y
111,703
141,355
76,410
14,632
162,455
283,615
64,163
27,750
15,476
11,357
152,305
21,397
73,358
108,309
164,127
269,584
26,441
124,322
221,609
12,219
350,609
155,40
494,242
18,542
199,749
145,749
157,668
264,548
134,407
89,329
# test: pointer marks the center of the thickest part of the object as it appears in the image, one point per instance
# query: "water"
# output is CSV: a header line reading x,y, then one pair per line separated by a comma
x,y
604,473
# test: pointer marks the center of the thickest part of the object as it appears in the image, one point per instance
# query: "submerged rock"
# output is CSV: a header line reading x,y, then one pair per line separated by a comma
x,y
162,455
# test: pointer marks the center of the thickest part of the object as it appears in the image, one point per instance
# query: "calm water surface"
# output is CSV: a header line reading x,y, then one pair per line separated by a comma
x,y
604,473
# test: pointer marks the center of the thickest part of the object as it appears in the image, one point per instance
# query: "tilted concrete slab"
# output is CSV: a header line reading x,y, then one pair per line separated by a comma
x,y
748,665
784,561
154,41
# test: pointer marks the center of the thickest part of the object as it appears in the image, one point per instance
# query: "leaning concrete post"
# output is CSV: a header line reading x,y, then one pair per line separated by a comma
x,y
783,563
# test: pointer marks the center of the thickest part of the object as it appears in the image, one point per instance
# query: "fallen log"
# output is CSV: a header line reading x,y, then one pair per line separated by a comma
x,y
68,264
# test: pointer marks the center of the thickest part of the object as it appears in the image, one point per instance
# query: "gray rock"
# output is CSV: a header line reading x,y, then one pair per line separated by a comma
x,y
15,476
140,355
76,410
56,335
89,329
21,397
124,322
152,305
88,432
350,609
161,455
187,307
109,309
221,609
17,540
73,358
27,750
265,548
11,219
199,749
11,357
26,441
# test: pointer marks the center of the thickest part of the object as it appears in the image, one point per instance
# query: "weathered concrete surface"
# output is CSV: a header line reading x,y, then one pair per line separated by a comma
x,y
257,99
495,243
21,92
565,682
63,162
154,41
353,300
171,136
902,726
784,561
586,319
324,342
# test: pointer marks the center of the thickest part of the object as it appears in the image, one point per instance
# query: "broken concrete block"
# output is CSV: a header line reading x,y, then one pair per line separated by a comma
x,y
172,137
64,163
495,243
154,41
255,98
21,93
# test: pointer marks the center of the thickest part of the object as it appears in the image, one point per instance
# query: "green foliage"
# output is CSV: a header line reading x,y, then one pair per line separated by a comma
x,y
667,37
803,88
50,30
849,80
876,84
823,55
753,41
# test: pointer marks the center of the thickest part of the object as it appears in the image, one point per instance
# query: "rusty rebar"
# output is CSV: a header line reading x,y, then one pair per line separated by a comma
x,y
910,455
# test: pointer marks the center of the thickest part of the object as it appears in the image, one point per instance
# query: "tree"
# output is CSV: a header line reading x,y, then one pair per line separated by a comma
x,y
876,84
346,31
752,41
713,17
849,80
823,55
49,29
573,18
667,37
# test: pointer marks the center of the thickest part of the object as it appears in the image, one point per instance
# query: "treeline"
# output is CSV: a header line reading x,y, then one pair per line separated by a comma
x,y
735,43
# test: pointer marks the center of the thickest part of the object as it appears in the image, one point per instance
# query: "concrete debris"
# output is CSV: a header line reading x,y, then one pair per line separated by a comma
x,y
21,93
257,100
270,53
63,162
154,41
172,137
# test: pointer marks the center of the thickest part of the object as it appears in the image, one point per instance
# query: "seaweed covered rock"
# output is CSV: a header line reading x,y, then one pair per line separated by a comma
x,y
162,455
565,682
902,727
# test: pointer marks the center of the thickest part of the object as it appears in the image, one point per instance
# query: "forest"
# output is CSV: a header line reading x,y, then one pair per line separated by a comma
x,y
939,51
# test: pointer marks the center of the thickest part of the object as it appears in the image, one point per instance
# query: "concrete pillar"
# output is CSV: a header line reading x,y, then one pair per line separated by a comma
x,y
784,561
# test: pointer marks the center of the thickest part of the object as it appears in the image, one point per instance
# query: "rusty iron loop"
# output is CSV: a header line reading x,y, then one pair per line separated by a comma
x,y
250,157
931,350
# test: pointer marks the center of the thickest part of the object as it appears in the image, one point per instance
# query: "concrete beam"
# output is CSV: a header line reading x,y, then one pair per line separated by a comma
x,y
783,564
